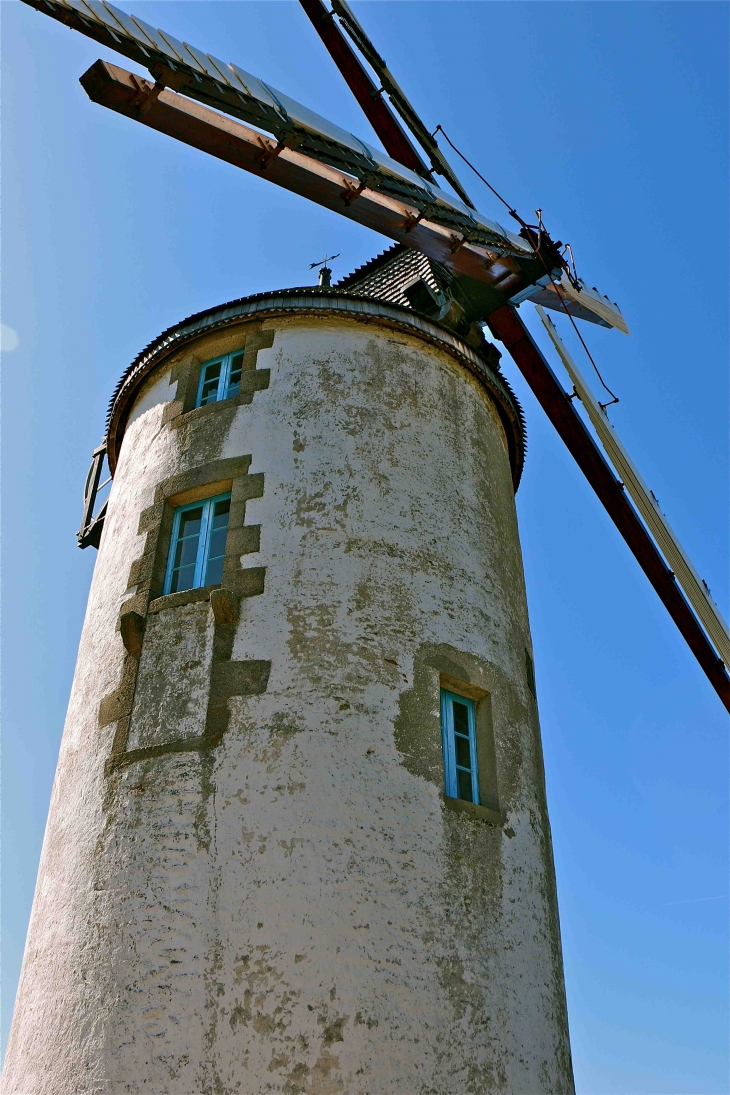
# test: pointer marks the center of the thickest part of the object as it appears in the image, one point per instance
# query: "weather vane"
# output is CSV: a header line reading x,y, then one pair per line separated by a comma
x,y
325,274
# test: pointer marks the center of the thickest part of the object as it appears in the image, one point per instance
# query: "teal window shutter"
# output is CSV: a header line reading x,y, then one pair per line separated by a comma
x,y
235,368
458,731
211,375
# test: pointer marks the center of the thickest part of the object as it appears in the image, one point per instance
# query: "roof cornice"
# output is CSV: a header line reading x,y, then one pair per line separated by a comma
x,y
311,301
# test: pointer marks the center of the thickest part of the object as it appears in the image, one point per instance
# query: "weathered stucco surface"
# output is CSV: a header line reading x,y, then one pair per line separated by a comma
x,y
297,909
174,671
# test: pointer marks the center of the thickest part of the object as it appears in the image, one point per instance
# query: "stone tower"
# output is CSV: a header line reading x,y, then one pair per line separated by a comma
x,y
307,616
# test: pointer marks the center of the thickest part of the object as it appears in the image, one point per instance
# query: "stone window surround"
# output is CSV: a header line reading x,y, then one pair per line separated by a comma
x,y
486,759
228,678
182,410
418,734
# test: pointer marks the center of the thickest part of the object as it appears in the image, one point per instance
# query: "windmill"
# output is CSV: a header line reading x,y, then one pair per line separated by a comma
x,y
494,269
360,183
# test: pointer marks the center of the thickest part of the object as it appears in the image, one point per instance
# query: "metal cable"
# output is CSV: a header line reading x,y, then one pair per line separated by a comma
x,y
513,212
614,397
440,129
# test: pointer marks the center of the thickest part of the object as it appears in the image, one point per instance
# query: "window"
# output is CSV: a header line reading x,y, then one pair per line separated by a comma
x,y
220,379
530,667
458,730
198,544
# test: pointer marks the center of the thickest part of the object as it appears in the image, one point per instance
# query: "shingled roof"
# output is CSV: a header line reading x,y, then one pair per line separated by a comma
x,y
385,276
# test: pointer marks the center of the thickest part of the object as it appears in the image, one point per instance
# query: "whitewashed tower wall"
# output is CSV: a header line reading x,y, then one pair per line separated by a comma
x,y
251,879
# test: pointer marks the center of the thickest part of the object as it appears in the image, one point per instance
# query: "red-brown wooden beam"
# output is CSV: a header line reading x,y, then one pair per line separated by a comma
x,y
222,137
507,326
377,112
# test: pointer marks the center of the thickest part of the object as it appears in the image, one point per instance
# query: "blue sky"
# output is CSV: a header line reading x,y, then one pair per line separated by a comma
x,y
613,118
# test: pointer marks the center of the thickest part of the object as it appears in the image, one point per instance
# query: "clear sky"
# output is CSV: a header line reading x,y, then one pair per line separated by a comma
x,y
611,117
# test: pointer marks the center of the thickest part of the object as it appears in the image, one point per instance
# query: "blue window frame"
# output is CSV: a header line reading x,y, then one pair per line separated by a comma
x,y
220,378
458,731
198,544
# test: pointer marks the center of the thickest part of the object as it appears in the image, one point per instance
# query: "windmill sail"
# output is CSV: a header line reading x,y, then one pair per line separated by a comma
x,y
395,140
292,168
226,87
561,295
396,95
297,149
695,589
